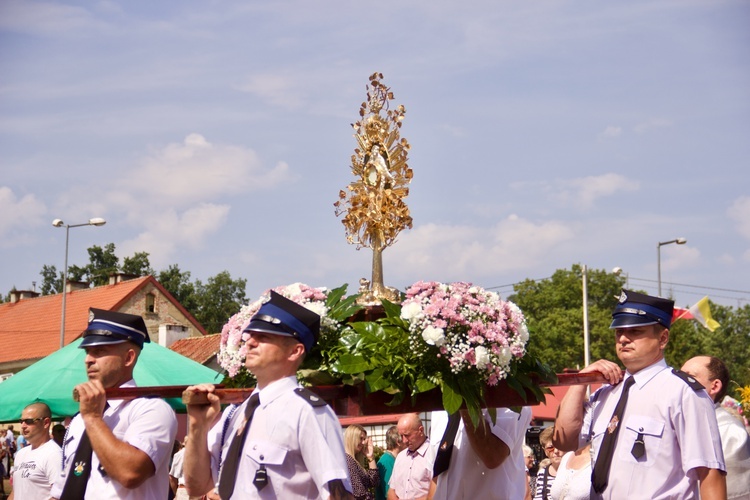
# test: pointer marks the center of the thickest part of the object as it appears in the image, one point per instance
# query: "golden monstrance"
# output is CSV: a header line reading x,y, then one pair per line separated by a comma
x,y
374,209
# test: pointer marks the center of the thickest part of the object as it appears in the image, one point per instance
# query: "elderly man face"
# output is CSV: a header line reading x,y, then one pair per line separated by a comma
x,y
411,431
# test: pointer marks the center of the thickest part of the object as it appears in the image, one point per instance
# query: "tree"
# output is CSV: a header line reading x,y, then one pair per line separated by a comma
x,y
138,265
102,263
554,313
51,280
219,299
178,284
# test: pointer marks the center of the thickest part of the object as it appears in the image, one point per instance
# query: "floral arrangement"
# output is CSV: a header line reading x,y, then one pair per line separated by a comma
x,y
331,306
456,337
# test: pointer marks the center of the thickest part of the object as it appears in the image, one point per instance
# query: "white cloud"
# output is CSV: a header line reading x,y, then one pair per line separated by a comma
x,y
675,257
169,230
282,89
610,132
18,214
196,170
648,125
739,211
452,252
585,191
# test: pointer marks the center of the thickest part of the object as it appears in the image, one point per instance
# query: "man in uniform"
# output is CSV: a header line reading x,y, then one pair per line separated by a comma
x,y
661,439
412,471
37,466
116,449
712,373
283,441
484,462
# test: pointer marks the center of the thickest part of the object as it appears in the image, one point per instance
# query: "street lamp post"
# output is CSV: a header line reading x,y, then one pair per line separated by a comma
x,y
679,241
584,272
96,221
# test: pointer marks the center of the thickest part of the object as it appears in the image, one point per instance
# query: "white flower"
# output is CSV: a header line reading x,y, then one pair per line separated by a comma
x,y
293,290
483,357
523,333
434,336
410,311
504,356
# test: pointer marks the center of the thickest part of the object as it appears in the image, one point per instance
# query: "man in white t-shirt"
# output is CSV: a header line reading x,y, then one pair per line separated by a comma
x,y
38,465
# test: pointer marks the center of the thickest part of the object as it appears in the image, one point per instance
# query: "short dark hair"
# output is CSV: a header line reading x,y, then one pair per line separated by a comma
x,y
718,370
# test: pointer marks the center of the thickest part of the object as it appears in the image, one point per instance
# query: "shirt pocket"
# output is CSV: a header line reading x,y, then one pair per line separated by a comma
x,y
266,453
650,430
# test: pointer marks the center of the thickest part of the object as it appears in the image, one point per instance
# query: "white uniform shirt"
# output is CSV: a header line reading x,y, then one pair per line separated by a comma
x,y
735,442
679,429
177,467
467,477
36,470
148,424
300,445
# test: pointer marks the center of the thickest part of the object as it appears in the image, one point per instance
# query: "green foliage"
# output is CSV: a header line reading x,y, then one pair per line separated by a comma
x,y
179,285
51,280
219,299
138,265
102,263
554,314
381,354
729,342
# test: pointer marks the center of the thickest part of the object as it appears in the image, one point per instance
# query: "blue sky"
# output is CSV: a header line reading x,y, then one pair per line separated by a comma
x,y
216,135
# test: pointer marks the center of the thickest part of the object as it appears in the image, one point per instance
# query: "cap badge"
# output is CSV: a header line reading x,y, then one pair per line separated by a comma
x,y
623,297
91,315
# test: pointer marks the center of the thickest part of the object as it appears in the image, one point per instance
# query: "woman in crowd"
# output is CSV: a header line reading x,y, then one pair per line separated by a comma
x,y
546,476
363,470
573,481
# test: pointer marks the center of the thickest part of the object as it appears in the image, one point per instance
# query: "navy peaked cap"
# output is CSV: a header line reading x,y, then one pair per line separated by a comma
x,y
111,327
638,309
281,316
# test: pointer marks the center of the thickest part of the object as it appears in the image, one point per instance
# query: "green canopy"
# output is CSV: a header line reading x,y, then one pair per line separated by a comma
x,y
53,378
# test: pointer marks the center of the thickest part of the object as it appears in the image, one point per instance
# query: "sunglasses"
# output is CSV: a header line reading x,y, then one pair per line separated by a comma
x,y
30,421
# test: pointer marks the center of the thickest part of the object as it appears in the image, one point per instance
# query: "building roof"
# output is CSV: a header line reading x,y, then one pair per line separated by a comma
x,y
30,328
199,349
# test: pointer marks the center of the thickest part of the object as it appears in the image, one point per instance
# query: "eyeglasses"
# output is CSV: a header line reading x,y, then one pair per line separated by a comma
x,y
549,448
30,421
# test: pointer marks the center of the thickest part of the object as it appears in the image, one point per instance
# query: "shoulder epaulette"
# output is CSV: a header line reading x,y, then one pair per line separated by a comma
x,y
689,379
310,396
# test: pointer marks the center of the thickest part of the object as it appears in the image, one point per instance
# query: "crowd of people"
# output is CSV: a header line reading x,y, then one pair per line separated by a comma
x,y
651,432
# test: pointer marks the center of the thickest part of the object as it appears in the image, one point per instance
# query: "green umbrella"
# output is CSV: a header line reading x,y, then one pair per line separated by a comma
x,y
52,379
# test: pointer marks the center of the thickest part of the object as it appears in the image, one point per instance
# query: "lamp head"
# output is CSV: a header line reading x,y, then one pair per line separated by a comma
x,y
680,241
97,221
616,271
58,223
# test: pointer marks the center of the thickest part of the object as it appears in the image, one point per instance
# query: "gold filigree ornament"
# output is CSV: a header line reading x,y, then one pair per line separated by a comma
x,y
374,209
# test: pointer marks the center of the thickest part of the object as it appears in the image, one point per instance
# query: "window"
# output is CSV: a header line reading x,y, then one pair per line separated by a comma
x,y
150,303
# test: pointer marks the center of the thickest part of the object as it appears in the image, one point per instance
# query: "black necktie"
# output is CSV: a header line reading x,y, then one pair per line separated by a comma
x,y
80,471
229,468
600,474
443,455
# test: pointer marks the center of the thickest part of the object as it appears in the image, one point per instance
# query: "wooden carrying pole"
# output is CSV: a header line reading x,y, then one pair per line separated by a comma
x,y
349,400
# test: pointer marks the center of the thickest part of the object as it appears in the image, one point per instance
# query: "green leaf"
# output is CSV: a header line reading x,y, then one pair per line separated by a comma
x,y
352,364
451,399
391,310
423,385
376,381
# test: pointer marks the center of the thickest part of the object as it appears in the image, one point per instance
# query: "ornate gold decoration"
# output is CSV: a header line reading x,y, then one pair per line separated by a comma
x,y
374,210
